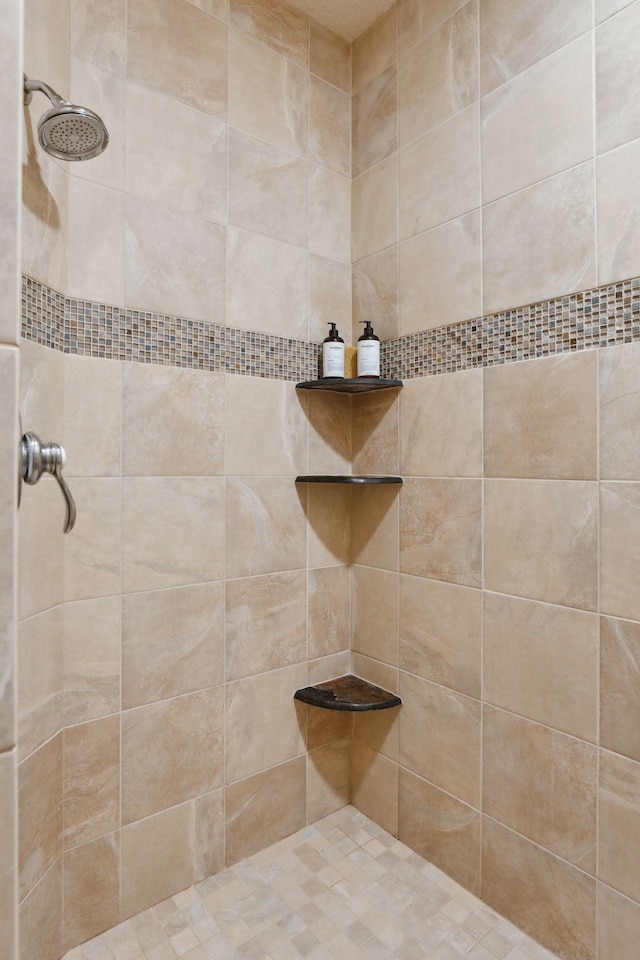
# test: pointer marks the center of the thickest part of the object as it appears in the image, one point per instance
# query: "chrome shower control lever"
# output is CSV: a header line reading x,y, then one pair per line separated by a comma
x,y
37,458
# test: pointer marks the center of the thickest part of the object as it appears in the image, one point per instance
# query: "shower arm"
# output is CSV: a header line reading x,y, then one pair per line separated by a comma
x,y
32,86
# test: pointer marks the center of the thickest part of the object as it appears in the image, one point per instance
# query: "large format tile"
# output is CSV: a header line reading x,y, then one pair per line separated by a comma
x,y
438,76
619,557
92,653
9,361
374,50
173,532
618,202
95,242
542,784
440,737
374,434
374,785
619,822
620,686
329,524
374,527
374,121
265,428
329,611
8,868
374,198
98,32
375,294
541,661
40,918
540,540
619,412
92,394
441,530
92,552
330,57
40,806
546,897
172,642
276,24
329,214
374,614
329,127
171,752
91,791
40,687
265,527
441,633
617,75
106,91
328,779
618,925
541,418
329,297
91,889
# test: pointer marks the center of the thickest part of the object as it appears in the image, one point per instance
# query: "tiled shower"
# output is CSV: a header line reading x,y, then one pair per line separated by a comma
x,y
464,176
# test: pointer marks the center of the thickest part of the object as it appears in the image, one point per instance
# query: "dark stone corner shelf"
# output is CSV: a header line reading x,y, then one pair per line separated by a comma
x,y
348,693
330,478
349,384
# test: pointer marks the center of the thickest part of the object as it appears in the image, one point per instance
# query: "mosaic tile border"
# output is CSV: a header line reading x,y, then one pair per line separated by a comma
x,y
600,317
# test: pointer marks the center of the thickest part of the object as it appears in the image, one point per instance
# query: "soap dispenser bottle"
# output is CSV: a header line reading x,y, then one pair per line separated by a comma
x,y
368,353
333,354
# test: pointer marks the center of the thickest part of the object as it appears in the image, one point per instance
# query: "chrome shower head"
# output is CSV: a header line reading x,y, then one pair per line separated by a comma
x,y
67,131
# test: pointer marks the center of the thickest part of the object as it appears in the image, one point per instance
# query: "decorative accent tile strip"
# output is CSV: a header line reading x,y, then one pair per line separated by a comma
x,y
116,333
602,317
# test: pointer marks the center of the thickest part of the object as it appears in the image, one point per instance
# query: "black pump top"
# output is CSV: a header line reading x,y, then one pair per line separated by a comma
x,y
333,334
368,331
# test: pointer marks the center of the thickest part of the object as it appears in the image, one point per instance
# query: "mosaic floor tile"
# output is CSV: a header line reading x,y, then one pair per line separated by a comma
x,y
342,889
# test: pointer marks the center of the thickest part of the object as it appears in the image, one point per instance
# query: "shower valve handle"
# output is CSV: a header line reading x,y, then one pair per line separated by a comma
x,y
37,458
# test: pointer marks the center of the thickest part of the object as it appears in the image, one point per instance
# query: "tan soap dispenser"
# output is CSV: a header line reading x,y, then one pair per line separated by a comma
x,y
368,353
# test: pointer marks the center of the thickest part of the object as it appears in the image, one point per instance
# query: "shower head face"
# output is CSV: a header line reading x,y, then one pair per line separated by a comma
x,y
69,132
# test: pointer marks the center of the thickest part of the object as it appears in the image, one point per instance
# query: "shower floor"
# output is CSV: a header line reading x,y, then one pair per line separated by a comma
x,y
342,889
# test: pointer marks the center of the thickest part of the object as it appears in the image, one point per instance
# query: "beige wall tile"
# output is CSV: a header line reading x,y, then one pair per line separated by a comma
x,y
40,680
619,560
619,813
265,624
174,262
40,813
251,745
91,659
541,662
328,779
329,298
441,530
606,8
41,390
172,532
438,76
99,32
617,73
619,687
618,925
515,35
375,294
188,169
9,360
267,285
541,540
441,275
276,24
375,614
91,792
45,208
330,57
264,809
373,209
172,642
171,751
374,50
265,428
329,516
439,176
375,121
268,95
375,672
539,123
40,573
441,633
328,668
540,242
329,214
172,422
40,918
374,527
374,786
441,829
171,850
440,737
327,726
92,553
329,611
374,429
618,214
547,898
329,444
177,49
268,190
91,889
329,127
542,784
441,426
95,242
619,408
106,92
541,418
92,395
378,729
265,527
8,869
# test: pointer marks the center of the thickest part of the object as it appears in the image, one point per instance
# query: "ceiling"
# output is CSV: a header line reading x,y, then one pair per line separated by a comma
x,y
348,18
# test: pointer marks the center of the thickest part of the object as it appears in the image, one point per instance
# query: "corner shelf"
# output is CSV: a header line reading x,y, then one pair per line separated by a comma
x,y
347,479
348,693
349,385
